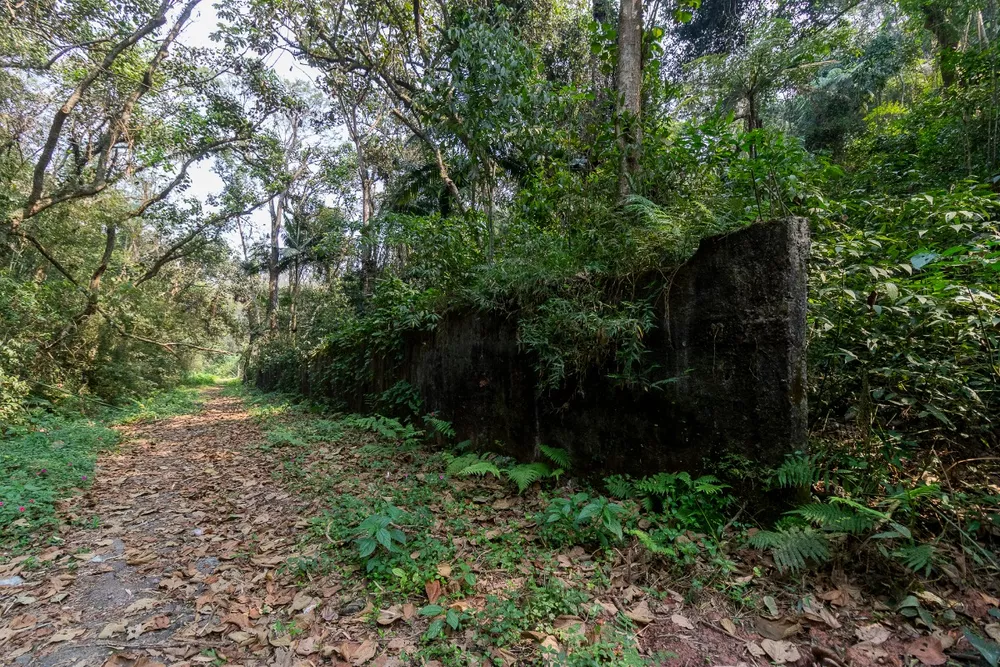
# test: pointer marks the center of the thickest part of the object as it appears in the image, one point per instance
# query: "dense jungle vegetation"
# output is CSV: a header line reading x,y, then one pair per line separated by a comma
x,y
170,206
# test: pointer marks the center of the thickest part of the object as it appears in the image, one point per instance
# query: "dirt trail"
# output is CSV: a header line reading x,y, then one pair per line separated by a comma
x,y
192,530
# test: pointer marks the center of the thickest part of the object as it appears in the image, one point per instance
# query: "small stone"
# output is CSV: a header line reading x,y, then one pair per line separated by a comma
x,y
198,532
12,581
353,607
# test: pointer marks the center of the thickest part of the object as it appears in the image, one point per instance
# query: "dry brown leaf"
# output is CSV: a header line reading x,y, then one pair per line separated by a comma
x,y
775,630
364,653
993,631
444,569
65,635
728,625
928,651
682,622
641,613
409,611
110,630
874,634
755,649
780,652
390,615
433,590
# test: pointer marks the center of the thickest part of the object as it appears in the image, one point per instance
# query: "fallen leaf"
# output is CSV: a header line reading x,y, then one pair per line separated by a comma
x,y
775,630
755,650
444,569
993,631
682,622
364,653
110,630
145,604
928,651
815,611
728,625
874,634
641,613
390,615
433,590
409,611
551,643
65,635
780,652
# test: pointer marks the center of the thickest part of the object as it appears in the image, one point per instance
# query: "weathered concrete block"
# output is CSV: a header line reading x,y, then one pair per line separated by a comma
x,y
731,340
732,336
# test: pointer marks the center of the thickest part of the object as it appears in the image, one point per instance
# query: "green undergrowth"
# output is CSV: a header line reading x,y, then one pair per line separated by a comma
x,y
403,509
51,452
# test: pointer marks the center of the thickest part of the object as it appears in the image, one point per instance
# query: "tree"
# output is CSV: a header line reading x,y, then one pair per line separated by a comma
x,y
628,84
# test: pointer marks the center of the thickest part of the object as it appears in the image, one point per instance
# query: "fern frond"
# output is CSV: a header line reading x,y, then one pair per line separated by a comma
x,y
835,518
558,456
709,485
460,463
660,484
798,471
481,468
527,474
918,558
620,486
793,547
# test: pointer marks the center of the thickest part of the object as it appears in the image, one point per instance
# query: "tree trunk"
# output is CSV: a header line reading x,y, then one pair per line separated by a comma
x,y
273,272
628,84
948,40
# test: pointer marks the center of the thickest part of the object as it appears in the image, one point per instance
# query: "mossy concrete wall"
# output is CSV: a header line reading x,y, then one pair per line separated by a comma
x,y
732,333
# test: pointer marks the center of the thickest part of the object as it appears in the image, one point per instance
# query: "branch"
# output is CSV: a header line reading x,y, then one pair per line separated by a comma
x,y
55,130
171,252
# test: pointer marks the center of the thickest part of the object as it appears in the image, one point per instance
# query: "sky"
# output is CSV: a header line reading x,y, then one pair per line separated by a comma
x,y
204,181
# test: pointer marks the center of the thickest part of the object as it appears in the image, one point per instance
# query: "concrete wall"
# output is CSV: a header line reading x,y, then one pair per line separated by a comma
x,y
731,334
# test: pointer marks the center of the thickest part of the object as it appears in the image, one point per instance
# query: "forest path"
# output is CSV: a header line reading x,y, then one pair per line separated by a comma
x,y
180,560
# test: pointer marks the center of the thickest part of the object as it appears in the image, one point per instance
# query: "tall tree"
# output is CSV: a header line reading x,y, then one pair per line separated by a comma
x,y
628,84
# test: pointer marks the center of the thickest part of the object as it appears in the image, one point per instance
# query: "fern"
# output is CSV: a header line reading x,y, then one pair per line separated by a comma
x,y
456,464
646,540
480,469
798,471
620,486
793,547
919,557
835,518
527,474
560,457
660,484
709,485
